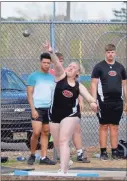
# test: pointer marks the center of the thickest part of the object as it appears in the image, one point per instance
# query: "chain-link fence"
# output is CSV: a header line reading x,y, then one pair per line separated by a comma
x,y
82,41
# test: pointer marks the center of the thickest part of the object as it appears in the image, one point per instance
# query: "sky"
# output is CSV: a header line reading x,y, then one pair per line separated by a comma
x,y
79,10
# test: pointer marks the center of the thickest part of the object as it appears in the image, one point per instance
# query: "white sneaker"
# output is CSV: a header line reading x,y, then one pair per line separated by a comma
x,y
60,172
70,163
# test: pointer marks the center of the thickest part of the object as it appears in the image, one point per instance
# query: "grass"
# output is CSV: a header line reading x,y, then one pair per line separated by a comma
x,y
10,162
86,84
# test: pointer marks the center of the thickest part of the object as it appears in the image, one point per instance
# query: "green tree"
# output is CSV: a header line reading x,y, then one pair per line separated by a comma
x,y
120,15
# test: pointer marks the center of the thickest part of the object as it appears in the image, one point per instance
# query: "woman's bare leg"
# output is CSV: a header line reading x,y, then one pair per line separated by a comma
x,y
67,128
55,131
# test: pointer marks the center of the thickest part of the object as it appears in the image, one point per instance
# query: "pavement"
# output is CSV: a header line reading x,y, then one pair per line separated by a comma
x,y
94,174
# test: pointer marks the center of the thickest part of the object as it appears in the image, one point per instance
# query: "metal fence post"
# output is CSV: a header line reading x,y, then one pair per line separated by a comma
x,y
52,40
52,35
52,28
53,46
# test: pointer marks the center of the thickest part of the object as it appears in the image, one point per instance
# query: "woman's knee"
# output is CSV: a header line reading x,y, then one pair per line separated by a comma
x,y
63,140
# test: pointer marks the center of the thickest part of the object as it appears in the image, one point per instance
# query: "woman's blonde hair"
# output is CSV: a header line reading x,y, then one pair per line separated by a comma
x,y
81,68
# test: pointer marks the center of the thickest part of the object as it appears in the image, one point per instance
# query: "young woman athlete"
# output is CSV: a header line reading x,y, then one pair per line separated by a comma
x,y
64,112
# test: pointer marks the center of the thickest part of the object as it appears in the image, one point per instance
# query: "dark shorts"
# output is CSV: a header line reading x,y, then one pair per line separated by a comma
x,y
59,114
43,115
110,112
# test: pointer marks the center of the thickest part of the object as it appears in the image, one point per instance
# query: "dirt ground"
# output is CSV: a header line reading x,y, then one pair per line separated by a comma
x,y
12,178
95,163
91,151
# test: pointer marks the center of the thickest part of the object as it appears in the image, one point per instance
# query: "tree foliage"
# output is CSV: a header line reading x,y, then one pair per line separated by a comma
x,y
120,15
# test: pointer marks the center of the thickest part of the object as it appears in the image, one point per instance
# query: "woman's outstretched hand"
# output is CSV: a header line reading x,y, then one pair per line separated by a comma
x,y
47,47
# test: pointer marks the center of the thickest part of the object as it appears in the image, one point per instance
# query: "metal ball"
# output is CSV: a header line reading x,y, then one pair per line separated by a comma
x,y
26,33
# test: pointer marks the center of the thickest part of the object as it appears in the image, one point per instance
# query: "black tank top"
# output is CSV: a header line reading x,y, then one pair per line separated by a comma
x,y
65,98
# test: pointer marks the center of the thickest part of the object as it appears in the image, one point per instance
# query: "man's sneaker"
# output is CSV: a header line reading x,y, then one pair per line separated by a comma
x,y
115,155
31,160
104,156
47,161
83,159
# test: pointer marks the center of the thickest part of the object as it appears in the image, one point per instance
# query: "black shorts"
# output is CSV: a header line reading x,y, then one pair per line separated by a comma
x,y
110,112
43,115
59,114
